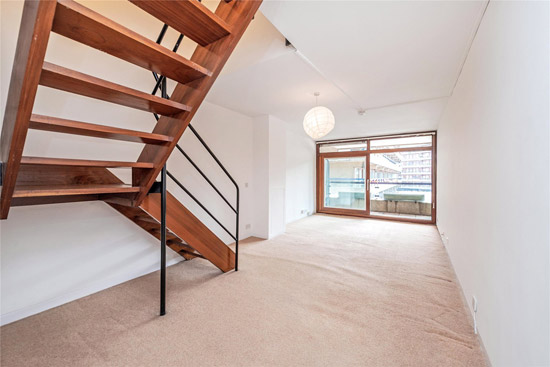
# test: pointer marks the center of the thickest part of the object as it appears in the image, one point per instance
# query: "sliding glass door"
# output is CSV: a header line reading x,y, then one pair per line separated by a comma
x,y
384,177
344,186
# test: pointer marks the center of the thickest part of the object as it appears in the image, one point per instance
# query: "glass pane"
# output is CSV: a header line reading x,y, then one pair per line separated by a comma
x,y
345,183
401,184
343,147
408,142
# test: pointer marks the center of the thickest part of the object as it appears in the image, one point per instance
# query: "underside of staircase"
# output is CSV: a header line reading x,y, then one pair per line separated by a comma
x,y
43,180
186,234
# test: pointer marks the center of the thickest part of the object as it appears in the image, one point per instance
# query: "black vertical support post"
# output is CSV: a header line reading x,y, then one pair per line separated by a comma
x,y
163,242
237,234
163,228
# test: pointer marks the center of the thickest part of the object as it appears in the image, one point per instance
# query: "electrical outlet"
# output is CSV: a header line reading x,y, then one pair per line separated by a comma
x,y
444,239
302,211
246,184
248,226
442,235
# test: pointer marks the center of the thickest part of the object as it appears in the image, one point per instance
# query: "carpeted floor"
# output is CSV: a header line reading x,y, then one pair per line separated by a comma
x,y
332,291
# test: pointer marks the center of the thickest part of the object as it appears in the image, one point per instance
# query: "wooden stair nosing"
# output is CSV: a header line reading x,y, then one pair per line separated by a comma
x,y
54,124
78,22
58,77
42,200
66,190
83,162
190,18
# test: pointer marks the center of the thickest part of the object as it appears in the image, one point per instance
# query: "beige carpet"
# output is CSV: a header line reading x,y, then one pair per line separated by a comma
x,y
332,291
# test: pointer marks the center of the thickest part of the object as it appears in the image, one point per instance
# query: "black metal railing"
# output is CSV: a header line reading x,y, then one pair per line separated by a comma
x,y
162,86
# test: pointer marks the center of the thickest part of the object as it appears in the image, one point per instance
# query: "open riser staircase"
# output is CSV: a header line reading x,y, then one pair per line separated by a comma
x,y
40,180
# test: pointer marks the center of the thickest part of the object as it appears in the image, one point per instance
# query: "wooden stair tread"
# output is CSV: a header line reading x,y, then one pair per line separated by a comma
x,y
81,24
190,18
58,77
63,190
59,125
83,162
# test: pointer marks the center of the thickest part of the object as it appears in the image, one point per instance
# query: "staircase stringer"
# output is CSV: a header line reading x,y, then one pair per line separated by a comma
x,y
34,33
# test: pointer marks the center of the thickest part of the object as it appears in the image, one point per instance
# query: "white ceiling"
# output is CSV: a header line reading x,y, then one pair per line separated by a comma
x,y
399,60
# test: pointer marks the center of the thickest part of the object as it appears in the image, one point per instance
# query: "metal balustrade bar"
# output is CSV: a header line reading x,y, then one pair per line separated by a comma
x,y
161,85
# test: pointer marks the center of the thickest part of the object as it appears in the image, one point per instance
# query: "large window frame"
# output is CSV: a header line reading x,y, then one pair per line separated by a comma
x,y
320,189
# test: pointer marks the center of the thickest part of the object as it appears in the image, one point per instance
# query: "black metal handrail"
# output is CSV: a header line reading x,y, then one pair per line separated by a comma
x,y
205,177
200,204
161,85
237,190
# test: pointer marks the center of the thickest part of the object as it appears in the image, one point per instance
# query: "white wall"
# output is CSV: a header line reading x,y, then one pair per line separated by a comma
x,y
284,175
52,254
300,175
277,176
493,181
260,225
269,176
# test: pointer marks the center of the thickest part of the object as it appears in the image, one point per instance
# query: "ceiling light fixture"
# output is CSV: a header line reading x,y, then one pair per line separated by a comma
x,y
319,121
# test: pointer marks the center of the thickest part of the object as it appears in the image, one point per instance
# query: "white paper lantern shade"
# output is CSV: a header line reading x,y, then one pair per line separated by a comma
x,y
318,122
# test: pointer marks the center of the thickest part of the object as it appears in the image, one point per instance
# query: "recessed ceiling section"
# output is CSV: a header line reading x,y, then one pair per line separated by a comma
x,y
382,52
399,60
282,87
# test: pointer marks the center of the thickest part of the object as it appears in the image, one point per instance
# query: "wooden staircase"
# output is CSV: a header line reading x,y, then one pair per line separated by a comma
x,y
40,180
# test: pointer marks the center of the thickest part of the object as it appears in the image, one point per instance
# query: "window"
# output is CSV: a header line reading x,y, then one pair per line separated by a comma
x,y
390,177
353,146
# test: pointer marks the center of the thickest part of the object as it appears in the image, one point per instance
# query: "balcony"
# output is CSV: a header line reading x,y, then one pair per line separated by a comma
x,y
392,199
